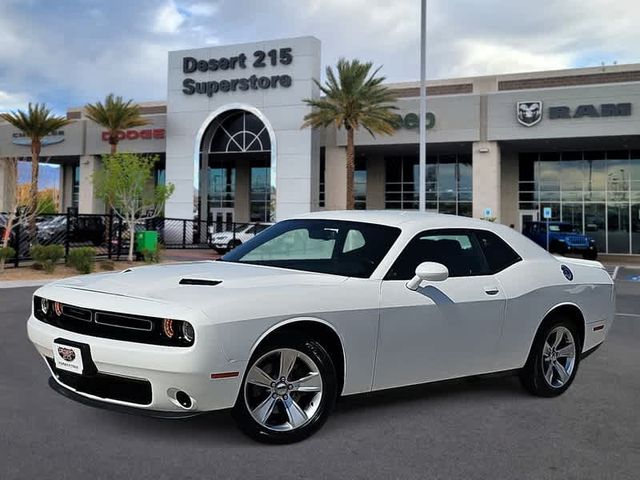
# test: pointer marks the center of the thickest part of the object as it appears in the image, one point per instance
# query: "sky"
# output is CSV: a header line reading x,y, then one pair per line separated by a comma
x,y
70,52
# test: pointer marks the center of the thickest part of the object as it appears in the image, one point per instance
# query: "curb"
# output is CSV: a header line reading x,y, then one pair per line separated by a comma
x,y
23,283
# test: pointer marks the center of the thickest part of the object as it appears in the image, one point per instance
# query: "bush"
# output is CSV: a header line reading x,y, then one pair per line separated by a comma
x,y
82,259
107,266
46,256
7,252
151,256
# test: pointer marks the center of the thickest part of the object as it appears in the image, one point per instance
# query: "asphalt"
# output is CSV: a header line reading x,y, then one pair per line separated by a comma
x,y
480,428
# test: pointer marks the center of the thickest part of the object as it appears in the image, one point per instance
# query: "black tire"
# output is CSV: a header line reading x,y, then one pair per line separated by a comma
x,y
314,351
557,247
590,255
233,244
532,375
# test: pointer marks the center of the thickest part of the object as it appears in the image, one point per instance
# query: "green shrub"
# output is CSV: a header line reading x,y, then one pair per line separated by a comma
x,y
7,252
46,256
151,256
82,259
107,265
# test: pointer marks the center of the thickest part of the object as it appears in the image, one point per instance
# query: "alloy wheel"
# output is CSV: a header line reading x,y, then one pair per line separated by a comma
x,y
558,357
283,390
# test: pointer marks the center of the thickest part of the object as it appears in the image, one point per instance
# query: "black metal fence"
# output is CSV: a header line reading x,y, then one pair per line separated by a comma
x,y
110,236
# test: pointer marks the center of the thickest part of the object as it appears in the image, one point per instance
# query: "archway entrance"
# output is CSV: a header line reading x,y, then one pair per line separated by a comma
x,y
236,168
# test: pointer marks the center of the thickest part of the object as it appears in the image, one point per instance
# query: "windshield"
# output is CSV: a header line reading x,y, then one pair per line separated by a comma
x,y
562,227
351,249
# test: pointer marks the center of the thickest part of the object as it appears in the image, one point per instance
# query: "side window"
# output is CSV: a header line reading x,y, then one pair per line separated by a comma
x,y
456,249
353,241
499,255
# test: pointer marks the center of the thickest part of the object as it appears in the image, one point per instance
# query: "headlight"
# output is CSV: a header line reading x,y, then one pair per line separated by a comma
x,y
44,306
562,240
178,331
187,332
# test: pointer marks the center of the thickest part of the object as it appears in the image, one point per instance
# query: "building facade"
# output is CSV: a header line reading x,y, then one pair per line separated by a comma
x,y
229,138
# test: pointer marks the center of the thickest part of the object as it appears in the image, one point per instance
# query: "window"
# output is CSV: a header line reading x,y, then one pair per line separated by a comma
x,y
498,254
351,249
457,249
448,183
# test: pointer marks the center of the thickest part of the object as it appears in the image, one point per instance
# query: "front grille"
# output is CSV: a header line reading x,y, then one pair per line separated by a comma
x,y
76,313
124,321
112,325
108,387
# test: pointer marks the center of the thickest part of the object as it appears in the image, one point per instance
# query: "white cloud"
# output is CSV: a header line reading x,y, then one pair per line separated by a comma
x,y
202,9
484,58
13,101
168,19
68,55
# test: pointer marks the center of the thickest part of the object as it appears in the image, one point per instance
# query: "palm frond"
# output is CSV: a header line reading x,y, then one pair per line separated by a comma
x,y
353,96
115,114
37,122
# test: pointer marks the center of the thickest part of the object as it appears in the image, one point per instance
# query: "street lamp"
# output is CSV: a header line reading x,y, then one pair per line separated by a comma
x,y
423,107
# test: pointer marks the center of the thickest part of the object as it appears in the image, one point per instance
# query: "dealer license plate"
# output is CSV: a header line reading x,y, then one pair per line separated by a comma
x,y
68,358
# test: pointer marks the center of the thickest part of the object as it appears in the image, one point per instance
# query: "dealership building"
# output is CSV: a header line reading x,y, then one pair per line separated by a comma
x,y
229,138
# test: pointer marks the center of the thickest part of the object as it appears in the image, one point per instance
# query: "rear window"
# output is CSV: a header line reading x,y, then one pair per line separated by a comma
x,y
498,254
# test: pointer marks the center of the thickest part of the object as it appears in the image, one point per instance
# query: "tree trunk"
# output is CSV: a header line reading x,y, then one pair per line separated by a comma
x,y
113,141
350,168
33,191
132,239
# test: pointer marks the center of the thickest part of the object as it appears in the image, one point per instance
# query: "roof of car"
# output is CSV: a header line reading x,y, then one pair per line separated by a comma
x,y
413,222
397,218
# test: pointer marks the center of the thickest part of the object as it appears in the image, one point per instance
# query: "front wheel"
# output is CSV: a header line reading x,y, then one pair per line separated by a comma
x,y
288,391
233,244
553,360
590,255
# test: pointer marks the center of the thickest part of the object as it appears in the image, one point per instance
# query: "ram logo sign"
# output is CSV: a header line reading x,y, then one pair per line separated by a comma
x,y
529,113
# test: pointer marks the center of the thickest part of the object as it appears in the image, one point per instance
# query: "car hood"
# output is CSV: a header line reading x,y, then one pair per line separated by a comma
x,y
199,281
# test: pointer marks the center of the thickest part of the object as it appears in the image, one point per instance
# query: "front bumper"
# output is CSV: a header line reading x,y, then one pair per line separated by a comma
x,y
579,248
167,370
66,392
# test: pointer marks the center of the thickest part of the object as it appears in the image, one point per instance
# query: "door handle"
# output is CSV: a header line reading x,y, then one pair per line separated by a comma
x,y
491,290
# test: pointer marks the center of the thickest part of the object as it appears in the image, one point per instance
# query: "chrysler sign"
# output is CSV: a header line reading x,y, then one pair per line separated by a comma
x,y
19,138
257,61
530,113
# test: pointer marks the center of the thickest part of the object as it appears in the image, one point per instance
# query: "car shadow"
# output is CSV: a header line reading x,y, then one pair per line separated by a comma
x,y
219,427
481,386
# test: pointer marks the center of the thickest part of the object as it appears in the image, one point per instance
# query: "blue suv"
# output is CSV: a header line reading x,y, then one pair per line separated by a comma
x,y
563,238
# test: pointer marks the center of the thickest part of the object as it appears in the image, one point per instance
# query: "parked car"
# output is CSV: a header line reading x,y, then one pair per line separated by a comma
x,y
322,305
230,239
564,238
82,229
25,246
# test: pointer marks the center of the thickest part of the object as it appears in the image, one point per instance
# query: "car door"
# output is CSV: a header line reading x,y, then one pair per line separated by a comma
x,y
444,329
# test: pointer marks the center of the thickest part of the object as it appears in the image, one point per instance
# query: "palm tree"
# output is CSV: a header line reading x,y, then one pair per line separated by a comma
x,y
36,123
115,114
356,98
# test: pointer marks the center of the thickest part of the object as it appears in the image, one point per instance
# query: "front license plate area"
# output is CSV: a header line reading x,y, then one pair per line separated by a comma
x,y
68,358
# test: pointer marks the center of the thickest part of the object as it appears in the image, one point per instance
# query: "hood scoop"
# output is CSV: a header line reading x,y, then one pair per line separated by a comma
x,y
200,281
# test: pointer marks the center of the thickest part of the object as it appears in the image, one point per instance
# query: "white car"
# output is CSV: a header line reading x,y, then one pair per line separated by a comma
x,y
323,305
230,239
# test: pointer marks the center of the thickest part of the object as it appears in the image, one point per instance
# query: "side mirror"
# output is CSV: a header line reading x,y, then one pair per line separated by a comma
x,y
430,272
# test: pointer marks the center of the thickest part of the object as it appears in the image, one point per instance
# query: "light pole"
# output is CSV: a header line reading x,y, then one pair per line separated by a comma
x,y
423,107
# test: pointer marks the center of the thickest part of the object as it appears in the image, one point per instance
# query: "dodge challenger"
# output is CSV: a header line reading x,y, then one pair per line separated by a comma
x,y
319,306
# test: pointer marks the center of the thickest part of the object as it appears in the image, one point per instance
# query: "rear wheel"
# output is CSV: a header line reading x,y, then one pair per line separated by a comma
x,y
553,360
288,391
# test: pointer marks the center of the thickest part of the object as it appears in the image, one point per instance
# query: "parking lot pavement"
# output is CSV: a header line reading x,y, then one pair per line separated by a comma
x,y
480,428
